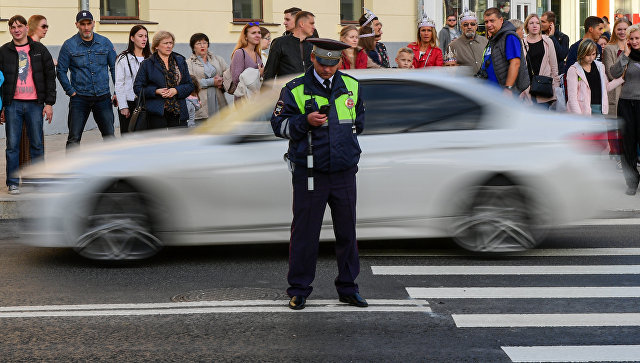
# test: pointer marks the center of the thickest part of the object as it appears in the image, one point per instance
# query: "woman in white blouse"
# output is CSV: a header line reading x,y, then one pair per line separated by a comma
x,y
127,65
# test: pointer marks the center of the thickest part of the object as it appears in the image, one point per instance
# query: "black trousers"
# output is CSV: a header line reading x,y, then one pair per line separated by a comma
x,y
124,121
629,111
338,190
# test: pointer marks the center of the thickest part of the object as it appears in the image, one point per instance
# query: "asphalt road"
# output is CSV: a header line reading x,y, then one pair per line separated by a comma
x,y
575,298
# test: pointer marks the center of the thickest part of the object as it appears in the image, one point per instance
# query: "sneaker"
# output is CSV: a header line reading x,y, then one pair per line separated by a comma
x,y
14,190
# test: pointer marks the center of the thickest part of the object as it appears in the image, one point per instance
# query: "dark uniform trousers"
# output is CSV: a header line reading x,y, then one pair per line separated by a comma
x,y
338,189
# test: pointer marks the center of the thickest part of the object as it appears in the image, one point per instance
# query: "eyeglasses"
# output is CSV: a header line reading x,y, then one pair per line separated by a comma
x,y
468,24
44,26
267,38
451,19
254,23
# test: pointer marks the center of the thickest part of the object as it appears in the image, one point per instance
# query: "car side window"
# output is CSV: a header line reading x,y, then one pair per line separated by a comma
x,y
406,106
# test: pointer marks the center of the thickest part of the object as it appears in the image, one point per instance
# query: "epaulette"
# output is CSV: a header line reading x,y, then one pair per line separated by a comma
x,y
295,82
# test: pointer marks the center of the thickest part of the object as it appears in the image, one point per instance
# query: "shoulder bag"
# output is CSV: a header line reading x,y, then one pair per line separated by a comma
x,y
227,78
541,86
138,120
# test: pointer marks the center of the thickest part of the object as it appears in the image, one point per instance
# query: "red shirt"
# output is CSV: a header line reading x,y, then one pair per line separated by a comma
x,y
426,60
361,60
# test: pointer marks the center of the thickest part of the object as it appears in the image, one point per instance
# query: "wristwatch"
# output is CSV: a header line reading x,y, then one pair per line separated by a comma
x,y
508,87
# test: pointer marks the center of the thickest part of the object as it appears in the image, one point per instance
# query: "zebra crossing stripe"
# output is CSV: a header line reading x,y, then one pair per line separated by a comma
x,y
508,270
574,353
545,320
550,252
562,292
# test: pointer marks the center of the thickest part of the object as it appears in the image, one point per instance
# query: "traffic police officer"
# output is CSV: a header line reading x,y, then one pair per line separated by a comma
x,y
321,113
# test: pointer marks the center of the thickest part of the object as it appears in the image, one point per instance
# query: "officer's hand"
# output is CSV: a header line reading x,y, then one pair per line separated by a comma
x,y
316,118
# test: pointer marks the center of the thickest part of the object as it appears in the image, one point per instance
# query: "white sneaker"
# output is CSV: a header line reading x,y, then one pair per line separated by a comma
x,y
14,190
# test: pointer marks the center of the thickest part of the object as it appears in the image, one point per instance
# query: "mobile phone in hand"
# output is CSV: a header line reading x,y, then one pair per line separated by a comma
x,y
325,109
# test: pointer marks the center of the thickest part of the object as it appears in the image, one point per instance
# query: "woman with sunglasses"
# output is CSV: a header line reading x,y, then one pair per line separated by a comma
x,y
38,27
247,55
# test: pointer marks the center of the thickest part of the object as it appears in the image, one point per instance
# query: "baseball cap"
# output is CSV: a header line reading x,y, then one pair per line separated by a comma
x,y
328,51
84,15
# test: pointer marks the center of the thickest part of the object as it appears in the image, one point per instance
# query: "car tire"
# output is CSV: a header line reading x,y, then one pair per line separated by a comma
x,y
499,218
119,227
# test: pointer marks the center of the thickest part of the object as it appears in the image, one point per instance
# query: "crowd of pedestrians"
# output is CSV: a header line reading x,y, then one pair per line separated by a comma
x,y
597,75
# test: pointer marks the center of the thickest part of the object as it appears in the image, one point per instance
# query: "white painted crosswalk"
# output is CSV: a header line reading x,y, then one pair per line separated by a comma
x,y
534,288
574,353
561,292
508,270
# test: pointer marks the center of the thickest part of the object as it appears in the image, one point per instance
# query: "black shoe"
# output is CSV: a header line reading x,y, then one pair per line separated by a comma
x,y
297,302
355,300
631,191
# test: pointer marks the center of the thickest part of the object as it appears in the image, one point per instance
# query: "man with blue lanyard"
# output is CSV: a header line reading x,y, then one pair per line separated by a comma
x,y
321,113
503,61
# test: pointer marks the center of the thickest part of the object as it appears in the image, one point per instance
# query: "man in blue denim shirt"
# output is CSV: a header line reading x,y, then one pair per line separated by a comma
x,y
90,57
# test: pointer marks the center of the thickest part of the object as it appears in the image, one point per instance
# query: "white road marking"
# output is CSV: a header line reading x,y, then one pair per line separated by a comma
x,y
574,353
507,270
522,292
209,307
545,320
551,252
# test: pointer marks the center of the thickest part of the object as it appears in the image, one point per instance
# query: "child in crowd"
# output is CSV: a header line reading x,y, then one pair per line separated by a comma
x,y
404,58
193,102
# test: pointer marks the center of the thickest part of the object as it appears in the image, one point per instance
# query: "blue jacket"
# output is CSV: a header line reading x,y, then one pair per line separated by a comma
x,y
89,65
1,81
151,77
335,145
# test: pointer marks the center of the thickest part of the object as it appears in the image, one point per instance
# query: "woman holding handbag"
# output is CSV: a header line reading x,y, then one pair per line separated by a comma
x,y
247,55
627,67
165,81
542,63
127,65
587,83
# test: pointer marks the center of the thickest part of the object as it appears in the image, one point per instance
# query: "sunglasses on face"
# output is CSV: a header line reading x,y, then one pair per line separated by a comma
x,y
254,23
45,26
469,24
451,19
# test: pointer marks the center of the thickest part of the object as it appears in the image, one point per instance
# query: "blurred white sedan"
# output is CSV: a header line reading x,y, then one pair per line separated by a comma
x,y
442,156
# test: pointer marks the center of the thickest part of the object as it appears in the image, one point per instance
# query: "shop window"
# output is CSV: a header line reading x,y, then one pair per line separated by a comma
x,y
351,10
119,9
246,10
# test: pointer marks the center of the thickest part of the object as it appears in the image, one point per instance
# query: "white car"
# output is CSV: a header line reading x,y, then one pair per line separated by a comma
x,y
443,156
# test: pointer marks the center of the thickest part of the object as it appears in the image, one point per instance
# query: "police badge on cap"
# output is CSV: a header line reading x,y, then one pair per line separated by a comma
x,y
328,51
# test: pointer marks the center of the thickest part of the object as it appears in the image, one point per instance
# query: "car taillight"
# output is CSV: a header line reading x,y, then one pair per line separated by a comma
x,y
593,142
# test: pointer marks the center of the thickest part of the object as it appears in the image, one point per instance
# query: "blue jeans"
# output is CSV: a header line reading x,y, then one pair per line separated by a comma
x,y
17,113
79,108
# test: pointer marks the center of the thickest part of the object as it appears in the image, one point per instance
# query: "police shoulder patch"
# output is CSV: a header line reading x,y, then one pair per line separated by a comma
x,y
279,106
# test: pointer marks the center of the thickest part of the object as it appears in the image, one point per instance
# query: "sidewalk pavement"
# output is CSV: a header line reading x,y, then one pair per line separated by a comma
x,y
620,205
54,145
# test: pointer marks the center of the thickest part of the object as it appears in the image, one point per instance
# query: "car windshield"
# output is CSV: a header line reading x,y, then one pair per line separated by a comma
x,y
237,116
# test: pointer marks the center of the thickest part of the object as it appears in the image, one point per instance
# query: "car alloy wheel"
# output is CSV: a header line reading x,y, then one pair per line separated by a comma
x,y
497,220
119,227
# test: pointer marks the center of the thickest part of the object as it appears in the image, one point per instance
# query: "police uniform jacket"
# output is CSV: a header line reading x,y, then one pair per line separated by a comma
x,y
335,145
